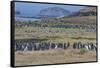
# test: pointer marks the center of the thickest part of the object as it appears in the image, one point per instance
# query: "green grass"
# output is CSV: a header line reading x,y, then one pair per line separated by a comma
x,y
83,38
83,51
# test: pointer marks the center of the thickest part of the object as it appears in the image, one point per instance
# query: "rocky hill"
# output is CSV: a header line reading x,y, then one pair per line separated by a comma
x,y
86,11
53,12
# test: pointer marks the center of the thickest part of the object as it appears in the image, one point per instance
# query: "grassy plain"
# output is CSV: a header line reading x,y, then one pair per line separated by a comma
x,y
55,34
53,57
52,34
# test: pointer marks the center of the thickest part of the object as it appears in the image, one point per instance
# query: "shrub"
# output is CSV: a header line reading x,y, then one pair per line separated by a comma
x,y
82,51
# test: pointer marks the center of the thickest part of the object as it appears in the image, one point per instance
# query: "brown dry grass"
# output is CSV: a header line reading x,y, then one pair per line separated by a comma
x,y
81,19
53,57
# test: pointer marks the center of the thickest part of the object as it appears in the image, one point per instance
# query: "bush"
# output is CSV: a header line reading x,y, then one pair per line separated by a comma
x,y
82,51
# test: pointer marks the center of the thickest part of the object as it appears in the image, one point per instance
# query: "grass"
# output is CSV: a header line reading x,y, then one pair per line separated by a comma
x,y
81,19
53,57
83,38
82,51
54,34
49,34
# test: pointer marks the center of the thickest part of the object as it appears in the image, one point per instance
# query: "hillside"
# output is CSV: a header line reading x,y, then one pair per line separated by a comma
x,y
86,11
80,19
53,12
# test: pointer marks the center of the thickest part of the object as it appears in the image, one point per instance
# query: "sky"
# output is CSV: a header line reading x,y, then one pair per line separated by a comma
x,y
34,8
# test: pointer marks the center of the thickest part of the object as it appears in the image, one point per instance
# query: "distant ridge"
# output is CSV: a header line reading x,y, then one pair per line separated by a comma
x,y
53,12
17,12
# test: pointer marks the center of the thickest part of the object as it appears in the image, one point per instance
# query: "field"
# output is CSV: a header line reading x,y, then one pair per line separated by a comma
x,y
63,30
55,34
53,57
